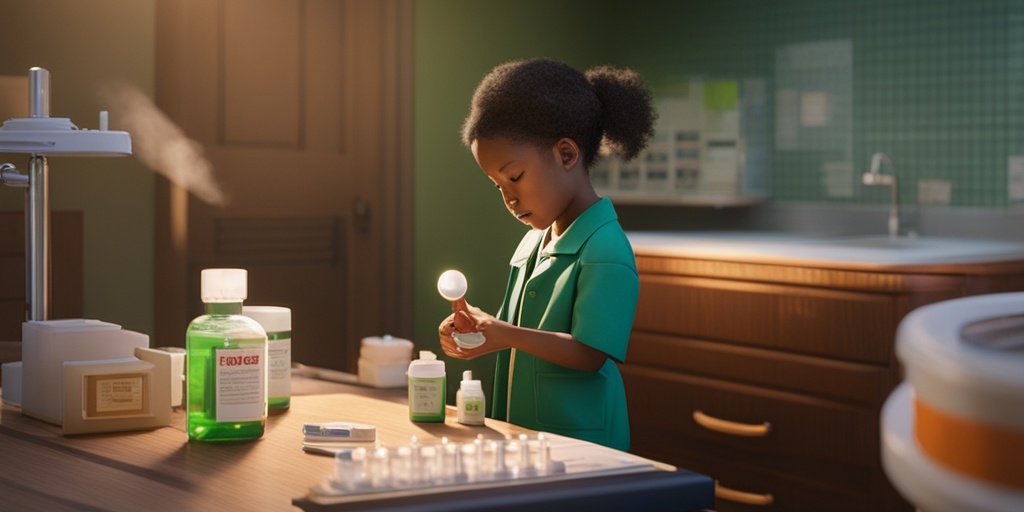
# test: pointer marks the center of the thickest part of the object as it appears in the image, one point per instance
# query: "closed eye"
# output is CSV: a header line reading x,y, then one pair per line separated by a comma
x,y
517,178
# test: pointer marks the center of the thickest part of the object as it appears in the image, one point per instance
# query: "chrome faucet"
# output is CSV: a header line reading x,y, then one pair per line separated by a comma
x,y
874,177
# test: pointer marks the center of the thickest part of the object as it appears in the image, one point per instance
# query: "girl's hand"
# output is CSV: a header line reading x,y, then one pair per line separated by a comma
x,y
465,319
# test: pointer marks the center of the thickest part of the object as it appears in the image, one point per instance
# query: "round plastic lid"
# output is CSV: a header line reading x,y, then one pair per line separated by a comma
x,y
272,318
223,285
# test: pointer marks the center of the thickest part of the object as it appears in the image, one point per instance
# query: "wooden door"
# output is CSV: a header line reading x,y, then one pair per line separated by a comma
x,y
303,107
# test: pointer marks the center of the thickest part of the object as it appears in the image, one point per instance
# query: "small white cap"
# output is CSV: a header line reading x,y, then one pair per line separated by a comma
x,y
468,383
428,366
224,285
272,318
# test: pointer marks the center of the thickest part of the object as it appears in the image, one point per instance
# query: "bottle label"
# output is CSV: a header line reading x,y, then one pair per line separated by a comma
x,y
471,411
241,384
425,395
280,370
472,408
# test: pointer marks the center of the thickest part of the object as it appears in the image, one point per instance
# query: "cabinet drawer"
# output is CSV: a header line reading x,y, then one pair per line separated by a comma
x,y
790,425
860,383
772,484
854,326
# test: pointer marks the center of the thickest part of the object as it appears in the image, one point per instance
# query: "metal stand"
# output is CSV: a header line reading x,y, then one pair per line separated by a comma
x,y
37,206
37,239
41,136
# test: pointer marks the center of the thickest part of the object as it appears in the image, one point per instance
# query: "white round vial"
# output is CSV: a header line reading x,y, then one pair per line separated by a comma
x,y
452,285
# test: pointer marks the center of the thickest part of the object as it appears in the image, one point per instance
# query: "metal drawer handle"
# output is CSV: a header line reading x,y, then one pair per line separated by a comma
x,y
731,427
747,498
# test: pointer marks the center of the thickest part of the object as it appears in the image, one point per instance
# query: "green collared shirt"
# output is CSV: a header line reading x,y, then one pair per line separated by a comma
x,y
585,284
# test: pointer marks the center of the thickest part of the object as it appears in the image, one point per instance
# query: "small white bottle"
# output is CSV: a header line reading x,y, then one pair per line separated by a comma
x,y
470,400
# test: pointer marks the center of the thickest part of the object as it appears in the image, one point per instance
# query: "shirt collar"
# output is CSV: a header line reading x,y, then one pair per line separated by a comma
x,y
573,238
599,214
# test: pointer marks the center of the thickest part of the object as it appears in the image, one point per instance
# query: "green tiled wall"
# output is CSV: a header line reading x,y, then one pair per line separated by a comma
x,y
937,84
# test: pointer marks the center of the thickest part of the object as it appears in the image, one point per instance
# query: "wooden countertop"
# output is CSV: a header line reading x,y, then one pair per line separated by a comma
x,y
160,469
936,255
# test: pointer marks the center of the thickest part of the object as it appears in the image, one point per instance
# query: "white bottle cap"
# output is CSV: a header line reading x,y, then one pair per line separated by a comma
x,y
468,384
224,285
272,318
428,366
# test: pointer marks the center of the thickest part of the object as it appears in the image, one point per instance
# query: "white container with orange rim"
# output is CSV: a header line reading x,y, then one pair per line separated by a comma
x,y
953,433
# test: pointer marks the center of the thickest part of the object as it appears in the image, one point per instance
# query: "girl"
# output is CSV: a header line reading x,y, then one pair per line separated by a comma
x,y
535,127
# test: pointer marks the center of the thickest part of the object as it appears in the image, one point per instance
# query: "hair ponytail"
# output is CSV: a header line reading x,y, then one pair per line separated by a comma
x,y
627,116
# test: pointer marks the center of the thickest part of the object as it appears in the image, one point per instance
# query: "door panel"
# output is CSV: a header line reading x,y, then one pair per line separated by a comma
x,y
274,91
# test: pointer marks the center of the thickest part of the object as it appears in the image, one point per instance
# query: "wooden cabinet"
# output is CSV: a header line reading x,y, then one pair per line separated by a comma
x,y
769,375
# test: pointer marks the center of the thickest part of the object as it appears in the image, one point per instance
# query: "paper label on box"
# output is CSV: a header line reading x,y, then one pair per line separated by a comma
x,y
116,395
119,394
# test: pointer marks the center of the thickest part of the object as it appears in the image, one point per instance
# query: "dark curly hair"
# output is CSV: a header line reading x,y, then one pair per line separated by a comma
x,y
539,101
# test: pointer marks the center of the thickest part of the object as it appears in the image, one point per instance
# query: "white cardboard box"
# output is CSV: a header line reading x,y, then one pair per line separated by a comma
x,y
46,345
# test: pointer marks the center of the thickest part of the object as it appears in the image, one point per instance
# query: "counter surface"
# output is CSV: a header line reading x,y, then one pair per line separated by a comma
x,y
862,252
160,470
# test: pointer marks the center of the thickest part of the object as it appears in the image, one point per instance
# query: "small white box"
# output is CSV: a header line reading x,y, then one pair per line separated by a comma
x,y
115,395
47,344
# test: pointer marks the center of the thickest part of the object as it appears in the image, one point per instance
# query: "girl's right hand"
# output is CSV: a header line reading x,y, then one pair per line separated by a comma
x,y
465,319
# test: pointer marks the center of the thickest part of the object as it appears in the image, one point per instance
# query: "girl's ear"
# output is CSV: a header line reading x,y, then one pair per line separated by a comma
x,y
568,152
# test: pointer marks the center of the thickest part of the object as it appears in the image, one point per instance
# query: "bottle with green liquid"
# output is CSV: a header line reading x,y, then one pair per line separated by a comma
x,y
226,359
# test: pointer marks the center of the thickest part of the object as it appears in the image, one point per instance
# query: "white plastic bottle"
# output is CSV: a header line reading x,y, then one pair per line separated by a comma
x,y
277,321
470,400
427,393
